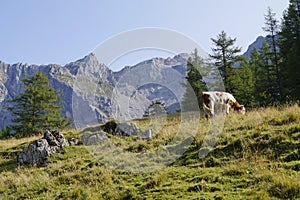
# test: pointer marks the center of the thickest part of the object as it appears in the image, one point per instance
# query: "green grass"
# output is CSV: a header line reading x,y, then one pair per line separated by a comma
x,y
256,157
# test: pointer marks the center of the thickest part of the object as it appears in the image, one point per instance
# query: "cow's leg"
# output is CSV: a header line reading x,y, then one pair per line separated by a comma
x,y
206,110
206,114
227,108
212,109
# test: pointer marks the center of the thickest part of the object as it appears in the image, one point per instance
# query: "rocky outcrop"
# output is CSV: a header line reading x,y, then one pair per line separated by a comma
x,y
55,139
127,129
37,153
88,138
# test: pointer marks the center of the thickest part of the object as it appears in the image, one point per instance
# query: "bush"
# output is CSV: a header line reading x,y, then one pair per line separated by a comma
x,y
5,133
110,126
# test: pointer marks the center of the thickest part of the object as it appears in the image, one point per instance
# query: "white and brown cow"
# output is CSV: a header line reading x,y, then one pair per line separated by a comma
x,y
214,101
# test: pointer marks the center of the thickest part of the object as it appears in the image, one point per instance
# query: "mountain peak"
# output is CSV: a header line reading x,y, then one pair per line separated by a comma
x,y
256,44
90,58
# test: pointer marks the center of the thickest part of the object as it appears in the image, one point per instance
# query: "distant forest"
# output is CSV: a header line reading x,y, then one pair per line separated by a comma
x,y
271,76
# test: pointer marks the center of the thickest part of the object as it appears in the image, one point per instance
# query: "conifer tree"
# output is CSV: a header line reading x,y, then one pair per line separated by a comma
x,y
266,77
289,44
37,108
259,77
244,83
225,56
255,61
272,28
195,84
156,108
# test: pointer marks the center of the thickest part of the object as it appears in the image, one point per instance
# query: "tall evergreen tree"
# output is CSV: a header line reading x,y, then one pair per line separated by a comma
x,y
289,43
195,84
272,28
264,76
37,108
266,81
244,83
156,108
259,76
255,61
225,56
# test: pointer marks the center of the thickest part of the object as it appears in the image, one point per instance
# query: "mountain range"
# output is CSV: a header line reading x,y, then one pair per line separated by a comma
x,y
92,93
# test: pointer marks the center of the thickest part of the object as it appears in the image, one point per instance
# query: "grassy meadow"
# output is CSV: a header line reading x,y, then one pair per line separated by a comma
x,y
257,156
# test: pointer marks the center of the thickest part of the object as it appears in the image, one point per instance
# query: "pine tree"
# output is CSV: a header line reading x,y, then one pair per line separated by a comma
x,y
195,84
259,75
255,62
266,77
272,28
37,108
244,83
156,108
289,44
225,56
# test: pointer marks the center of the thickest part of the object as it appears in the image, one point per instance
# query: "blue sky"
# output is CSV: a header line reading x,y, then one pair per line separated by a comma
x,y
62,31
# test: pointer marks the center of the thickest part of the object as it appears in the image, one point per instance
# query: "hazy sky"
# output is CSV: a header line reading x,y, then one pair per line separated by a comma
x,y
61,31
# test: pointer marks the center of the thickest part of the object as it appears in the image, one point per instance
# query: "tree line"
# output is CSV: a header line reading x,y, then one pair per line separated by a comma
x,y
271,75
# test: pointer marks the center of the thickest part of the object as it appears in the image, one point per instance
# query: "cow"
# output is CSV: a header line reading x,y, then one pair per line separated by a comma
x,y
220,101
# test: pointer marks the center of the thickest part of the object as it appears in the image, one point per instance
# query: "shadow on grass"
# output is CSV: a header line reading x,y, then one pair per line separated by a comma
x,y
9,157
9,165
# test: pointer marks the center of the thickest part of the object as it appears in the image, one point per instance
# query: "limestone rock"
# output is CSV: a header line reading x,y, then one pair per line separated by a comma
x,y
148,134
93,139
127,128
36,153
55,138
50,138
60,138
73,141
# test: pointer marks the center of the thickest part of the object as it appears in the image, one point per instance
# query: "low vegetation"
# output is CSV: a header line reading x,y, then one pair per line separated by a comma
x,y
257,156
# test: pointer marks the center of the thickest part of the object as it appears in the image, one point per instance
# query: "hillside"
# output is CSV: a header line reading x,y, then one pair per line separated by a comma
x,y
256,157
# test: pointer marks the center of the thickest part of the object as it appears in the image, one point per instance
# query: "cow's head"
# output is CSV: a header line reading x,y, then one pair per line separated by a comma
x,y
239,108
242,109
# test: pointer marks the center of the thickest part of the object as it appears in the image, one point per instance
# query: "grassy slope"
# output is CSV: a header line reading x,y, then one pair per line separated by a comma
x,y
257,157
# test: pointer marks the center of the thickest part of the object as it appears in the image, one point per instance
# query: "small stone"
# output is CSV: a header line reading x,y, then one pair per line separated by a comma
x,y
148,134
73,141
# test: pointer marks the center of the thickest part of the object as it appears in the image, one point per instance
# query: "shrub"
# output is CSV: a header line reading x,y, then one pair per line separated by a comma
x,y
5,133
110,126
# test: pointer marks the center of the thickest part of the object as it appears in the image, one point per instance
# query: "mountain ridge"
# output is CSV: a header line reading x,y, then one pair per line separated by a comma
x,y
87,87
96,92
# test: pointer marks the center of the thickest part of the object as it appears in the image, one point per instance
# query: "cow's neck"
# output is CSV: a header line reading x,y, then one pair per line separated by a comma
x,y
236,105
